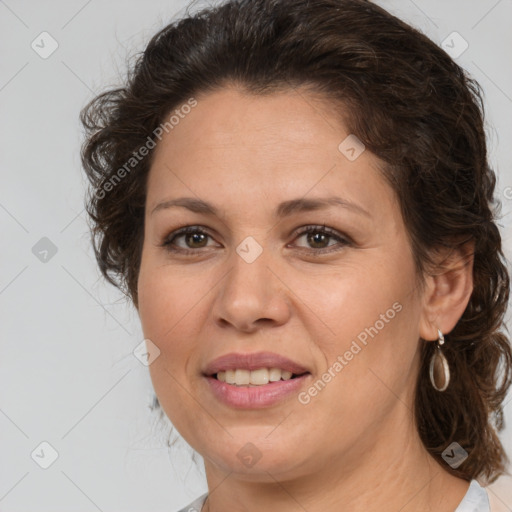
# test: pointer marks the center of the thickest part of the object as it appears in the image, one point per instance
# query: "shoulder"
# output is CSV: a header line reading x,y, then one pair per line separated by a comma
x,y
475,500
196,505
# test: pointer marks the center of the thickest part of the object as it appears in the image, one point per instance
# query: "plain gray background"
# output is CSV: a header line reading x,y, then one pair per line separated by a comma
x,y
67,373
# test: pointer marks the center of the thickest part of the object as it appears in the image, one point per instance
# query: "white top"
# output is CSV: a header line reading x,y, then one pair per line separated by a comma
x,y
475,500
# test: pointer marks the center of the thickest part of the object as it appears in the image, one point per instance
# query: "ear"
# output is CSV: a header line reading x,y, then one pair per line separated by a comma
x,y
447,291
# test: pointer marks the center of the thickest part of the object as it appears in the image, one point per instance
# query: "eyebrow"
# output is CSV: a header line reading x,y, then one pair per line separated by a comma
x,y
284,209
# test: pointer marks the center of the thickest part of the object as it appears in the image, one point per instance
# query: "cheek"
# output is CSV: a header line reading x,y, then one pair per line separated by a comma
x,y
163,313
371,323
369,372
163,308
345,302
165,298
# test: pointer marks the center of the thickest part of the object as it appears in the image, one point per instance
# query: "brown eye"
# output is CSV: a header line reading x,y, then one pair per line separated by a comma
x,y
318,237
193,236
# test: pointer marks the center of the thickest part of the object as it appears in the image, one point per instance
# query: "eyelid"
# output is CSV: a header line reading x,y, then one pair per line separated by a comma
x,y
334,233
194,228
342,239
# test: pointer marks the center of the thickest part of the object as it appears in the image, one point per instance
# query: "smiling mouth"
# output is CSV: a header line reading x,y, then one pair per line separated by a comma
x,y
254,378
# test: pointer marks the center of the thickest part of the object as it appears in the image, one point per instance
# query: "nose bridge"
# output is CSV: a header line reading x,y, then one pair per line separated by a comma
x,y
250,274
250,290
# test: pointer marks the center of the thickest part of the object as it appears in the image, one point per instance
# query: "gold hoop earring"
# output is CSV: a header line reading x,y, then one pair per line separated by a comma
x,y
439,368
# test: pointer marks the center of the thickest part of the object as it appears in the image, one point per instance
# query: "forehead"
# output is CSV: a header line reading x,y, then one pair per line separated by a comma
x,y
226,117
285,145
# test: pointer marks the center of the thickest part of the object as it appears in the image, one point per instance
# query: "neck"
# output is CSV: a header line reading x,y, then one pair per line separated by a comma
x,y
392,471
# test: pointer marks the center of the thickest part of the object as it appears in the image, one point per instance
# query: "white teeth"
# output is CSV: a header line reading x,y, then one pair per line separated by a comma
x,y
274,374
259,377
242,377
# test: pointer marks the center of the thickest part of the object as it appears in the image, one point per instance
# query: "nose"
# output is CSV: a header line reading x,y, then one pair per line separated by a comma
x,y
252,294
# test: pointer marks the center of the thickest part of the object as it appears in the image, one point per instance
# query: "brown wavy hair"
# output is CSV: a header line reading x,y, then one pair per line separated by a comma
x,y
404,98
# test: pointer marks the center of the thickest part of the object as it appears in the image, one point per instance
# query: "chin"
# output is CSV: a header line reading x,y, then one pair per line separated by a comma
x,y
257,457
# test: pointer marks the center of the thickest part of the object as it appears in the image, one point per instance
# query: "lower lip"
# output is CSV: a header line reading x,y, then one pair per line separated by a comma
x,y
257,397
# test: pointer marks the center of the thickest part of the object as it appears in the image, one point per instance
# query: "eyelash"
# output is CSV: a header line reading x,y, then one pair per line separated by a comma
x,y
343,240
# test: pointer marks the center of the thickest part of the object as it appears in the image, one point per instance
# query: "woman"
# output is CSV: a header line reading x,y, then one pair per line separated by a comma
x,y
296,197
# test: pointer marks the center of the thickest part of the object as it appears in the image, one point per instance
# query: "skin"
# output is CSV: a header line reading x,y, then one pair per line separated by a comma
x,y
354,446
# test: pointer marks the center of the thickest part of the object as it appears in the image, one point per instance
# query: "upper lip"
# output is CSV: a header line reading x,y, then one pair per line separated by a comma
x,y
253,361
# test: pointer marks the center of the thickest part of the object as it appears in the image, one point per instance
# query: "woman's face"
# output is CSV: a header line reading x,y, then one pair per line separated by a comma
x,y
340,302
